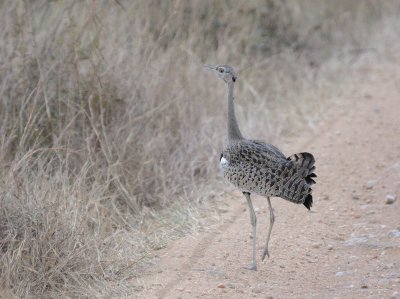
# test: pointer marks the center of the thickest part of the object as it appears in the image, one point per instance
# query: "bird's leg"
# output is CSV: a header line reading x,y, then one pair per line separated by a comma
x,y
271,223
253,219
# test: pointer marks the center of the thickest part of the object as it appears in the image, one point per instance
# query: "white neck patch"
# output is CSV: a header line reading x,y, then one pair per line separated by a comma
x,y
223,163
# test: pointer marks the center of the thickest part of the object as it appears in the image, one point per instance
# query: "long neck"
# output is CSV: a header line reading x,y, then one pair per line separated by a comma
x,y
233,128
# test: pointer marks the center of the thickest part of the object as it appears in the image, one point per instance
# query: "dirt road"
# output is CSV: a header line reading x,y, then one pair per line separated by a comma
x,y
347,247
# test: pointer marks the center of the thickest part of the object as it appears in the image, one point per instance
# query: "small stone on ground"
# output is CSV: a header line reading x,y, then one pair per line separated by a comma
x,y
390,199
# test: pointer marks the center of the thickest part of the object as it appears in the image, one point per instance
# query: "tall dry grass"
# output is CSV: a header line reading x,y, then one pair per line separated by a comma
x,y
107,115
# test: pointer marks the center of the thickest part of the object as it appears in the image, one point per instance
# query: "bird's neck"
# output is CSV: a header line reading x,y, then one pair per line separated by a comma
x,y
233,128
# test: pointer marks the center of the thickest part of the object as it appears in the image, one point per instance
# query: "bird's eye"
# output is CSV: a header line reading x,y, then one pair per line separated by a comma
x,y
221,70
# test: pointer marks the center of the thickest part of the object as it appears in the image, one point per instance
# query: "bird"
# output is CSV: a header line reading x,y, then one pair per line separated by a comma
x,y
257,167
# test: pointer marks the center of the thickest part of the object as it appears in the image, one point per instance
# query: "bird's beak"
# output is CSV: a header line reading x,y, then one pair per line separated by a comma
x,y
211,67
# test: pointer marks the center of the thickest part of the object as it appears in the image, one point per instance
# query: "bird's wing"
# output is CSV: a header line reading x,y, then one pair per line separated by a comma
x,y
256,153
271,149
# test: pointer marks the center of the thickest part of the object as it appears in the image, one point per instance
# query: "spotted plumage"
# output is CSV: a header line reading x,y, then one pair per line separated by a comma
x,y
257,167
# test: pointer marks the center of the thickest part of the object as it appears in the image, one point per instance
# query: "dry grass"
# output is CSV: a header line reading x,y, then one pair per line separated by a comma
x,y
107,115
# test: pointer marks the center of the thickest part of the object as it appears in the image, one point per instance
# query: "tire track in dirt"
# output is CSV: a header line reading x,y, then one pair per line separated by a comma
x,y
198,252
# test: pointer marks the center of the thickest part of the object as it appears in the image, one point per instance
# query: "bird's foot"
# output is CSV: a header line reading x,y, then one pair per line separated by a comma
x,y
265,253
252,267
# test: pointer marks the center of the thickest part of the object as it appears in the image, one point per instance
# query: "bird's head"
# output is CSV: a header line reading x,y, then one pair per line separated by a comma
x,y
225,72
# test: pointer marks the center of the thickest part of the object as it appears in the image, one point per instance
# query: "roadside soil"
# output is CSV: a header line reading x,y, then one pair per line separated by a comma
x,y
348,246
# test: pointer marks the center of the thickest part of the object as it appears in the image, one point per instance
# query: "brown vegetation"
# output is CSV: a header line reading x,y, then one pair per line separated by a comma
x,y
107,115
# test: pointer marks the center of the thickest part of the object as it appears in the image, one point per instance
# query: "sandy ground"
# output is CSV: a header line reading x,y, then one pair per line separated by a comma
x,y
348,246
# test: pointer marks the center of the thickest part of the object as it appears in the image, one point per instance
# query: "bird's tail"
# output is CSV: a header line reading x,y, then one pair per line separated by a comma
x,y
305,165
304,162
